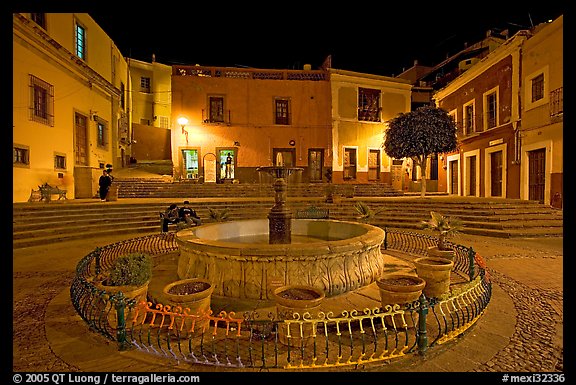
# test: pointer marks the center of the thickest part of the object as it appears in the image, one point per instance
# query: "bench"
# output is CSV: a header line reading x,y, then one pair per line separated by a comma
x,y
45,192
312,212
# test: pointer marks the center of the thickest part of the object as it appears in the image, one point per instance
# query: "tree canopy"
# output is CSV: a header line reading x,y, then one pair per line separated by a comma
x,y
424,131
418,134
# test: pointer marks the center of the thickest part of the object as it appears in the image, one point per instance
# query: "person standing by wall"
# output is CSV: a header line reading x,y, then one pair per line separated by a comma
x,y
104,183
229,166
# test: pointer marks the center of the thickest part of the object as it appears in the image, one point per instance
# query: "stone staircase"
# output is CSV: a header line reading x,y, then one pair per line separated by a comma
x,y
164,188
40,223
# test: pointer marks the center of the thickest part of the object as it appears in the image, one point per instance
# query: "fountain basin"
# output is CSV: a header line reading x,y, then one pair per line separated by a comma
x,y
334,256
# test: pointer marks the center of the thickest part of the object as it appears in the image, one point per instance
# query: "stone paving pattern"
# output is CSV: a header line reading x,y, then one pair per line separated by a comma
x,y
520,331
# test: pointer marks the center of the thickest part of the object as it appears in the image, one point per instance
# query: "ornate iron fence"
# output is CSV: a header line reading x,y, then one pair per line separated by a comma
x,y
311,341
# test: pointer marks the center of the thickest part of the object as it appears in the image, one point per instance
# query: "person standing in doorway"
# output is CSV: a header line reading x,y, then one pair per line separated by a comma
x,y
229,166
104,183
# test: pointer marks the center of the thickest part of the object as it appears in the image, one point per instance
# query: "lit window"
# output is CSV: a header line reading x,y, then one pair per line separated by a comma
x,y
282,111
145,84
80,38
368,105
164,122
100,133
216,109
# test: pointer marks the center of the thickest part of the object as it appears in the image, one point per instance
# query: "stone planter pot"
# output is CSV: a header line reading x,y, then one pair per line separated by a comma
x,y
292,302
190,296
139,293
400,289
436,272
435,252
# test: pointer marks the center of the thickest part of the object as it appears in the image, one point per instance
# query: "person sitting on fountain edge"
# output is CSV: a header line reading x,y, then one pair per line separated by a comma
x,y
188,214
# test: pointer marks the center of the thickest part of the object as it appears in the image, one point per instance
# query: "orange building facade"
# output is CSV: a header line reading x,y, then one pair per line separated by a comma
x,y
236,120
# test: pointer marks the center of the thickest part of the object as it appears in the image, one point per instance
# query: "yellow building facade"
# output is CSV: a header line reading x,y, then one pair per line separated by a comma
x,y
541,129
70,105
361,106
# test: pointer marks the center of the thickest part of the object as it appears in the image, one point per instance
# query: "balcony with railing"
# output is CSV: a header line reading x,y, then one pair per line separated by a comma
x,y
250,73
557,102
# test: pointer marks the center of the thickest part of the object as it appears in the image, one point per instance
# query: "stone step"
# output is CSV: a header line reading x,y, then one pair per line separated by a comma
x,y
37,223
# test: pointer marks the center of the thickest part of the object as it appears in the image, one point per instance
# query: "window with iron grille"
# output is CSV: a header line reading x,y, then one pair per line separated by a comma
x,y
164,122
491,110
21,155
60,161
216,104
368,105
282,111
101,132
41,101
80,40
145,84
39,18
537,88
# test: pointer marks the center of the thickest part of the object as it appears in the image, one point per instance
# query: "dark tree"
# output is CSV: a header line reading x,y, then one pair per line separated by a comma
x,y
418,134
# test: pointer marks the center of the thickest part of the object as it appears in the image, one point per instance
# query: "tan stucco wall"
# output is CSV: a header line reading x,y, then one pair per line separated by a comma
x,y
249,110
76,89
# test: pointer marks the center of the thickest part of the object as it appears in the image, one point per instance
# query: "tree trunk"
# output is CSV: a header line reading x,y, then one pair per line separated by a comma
x,y
423,179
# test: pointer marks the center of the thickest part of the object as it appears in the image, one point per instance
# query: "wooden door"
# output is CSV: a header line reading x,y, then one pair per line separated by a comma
x,y
454,177
81,140
536,175
315,162
374,165
496,174
472,176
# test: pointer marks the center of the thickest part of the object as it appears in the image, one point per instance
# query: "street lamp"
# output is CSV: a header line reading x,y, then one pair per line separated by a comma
x,y
182,121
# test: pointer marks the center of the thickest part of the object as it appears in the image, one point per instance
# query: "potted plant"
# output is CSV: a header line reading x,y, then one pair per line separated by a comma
x,y
292,302
190,296
129,274
401,289
445,228
365,213
436,272
218,215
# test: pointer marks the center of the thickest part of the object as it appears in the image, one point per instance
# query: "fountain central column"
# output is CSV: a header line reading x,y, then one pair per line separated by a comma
x,y
279,217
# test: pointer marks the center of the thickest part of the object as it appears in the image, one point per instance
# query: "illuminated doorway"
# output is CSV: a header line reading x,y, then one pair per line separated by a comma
x,y
226,164
190,164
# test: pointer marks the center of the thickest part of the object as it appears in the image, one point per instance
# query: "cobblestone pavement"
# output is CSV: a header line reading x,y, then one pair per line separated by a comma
x,y
529,271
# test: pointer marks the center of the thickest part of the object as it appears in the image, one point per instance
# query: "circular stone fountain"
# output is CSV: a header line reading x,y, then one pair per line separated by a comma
x,y
248,259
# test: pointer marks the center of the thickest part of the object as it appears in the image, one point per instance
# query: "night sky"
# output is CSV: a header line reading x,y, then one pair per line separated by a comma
x,y
374,39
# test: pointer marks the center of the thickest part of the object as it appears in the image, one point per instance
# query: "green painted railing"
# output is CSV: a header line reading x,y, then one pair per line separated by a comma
x,y
251,340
